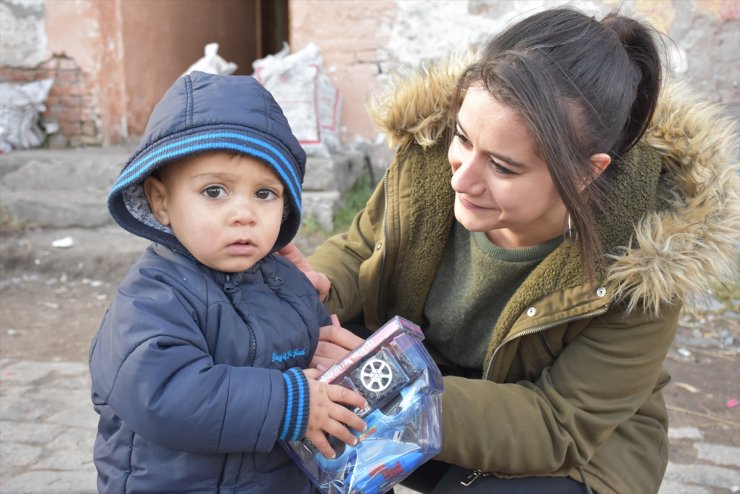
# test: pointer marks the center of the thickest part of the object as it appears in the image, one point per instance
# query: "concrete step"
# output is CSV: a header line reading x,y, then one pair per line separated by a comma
x,y
68,188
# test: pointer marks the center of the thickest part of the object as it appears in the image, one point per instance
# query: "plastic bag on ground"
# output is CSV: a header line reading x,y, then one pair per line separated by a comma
x,y
20,107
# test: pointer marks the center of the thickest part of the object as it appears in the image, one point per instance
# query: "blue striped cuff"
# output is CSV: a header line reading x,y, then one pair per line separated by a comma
x,y
295,418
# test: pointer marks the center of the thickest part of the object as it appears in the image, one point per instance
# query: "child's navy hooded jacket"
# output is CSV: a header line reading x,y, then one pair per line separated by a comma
x,y
194,371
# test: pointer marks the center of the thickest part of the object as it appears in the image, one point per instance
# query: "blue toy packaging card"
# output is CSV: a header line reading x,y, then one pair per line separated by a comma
x,y
403,387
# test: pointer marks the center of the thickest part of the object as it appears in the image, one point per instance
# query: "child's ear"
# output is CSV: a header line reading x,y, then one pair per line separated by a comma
x,y
156,194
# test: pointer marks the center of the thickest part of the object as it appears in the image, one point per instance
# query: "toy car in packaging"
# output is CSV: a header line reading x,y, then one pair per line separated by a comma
x,y
402,386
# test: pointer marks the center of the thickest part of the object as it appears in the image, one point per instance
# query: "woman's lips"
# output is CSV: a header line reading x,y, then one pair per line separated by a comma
x,y
467,204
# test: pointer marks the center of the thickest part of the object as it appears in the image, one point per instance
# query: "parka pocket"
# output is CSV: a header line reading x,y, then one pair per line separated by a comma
x,y
539,350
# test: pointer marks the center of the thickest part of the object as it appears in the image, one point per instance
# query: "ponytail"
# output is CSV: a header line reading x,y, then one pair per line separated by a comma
x,y
639,44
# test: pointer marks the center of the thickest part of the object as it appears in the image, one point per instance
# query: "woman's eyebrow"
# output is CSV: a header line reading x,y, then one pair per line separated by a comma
x,y
498,156
508,160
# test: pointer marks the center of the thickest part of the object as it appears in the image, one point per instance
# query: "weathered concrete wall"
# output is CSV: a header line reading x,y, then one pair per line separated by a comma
x,y
362,42
112,60
23,35
79,49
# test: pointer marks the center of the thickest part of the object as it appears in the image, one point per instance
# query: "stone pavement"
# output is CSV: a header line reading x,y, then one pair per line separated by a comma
x,y
47,424
47,429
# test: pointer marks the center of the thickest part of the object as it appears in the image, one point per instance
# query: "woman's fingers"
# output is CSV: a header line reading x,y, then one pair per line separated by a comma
x,y
312,373
330,351
322,363
339,336
320,282
294,255
335,343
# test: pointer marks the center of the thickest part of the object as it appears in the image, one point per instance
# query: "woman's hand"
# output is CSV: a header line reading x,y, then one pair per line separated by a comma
x,y
319,280
334,343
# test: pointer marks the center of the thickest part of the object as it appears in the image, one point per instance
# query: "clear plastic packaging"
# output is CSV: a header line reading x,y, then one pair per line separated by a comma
x,y
403,387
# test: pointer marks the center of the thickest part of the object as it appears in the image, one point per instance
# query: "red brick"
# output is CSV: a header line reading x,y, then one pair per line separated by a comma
x,y
74,115
89,129
71,100
15,75
69,128
90,140
68,77
62,91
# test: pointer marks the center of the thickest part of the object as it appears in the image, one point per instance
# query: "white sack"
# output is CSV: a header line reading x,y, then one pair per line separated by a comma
x,y
20,108
212,62
311,103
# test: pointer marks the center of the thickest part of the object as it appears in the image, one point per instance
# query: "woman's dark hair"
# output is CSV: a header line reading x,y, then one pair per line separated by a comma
x,y
582,87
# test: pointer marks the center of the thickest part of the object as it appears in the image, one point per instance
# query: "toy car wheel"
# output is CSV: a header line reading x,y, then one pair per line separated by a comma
x,y
376,375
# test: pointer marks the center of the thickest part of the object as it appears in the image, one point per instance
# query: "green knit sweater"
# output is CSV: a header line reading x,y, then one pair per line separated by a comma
x,y
474,281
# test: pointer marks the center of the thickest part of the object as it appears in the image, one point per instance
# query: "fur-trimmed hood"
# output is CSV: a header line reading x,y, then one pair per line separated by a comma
x,y
676,253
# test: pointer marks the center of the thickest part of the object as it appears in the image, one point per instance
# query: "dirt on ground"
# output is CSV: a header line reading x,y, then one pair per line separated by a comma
x,y
53,298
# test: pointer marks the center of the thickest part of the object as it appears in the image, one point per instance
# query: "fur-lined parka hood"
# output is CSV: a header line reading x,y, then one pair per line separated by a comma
x,y
673,254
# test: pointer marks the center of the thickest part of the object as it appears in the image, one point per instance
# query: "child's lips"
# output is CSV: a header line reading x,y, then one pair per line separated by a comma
x,y
241,247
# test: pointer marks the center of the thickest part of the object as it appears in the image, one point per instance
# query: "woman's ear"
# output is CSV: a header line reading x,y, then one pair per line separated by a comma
x,y
156,194
600,161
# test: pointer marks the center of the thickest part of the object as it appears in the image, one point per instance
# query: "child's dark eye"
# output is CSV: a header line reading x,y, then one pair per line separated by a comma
x,y
214,191
266,194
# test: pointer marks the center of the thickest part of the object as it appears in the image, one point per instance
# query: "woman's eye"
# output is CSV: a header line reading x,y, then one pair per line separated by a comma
x,y
266,194
500,168
214,191
463,140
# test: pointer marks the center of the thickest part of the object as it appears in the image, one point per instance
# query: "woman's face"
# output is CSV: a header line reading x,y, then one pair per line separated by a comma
x,y
502,187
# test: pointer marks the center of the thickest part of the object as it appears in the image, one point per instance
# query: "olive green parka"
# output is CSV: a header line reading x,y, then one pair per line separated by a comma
x,y
574,370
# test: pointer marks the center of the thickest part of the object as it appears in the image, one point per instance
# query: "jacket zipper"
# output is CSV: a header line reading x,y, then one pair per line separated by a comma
x,y
231,286
474,475
536,329
383,247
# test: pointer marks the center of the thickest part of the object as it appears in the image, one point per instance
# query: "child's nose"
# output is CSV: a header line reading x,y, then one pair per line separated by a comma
x,y
243,212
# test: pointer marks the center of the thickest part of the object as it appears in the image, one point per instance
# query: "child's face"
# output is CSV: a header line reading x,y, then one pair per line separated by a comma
x,y
225,209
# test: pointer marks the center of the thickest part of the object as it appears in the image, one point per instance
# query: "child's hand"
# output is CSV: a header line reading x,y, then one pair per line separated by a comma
x,y
327,415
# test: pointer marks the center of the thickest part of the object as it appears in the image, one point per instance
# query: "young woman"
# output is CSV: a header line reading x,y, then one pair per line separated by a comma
x,y
545,238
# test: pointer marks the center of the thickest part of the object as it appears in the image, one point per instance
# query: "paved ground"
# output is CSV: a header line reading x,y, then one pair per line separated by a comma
x,y
51,299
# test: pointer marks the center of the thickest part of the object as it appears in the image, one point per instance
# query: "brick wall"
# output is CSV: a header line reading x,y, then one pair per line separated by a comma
x,y
70,101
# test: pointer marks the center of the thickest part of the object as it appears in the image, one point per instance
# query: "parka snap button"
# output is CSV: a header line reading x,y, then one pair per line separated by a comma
x,y
379,246
531,311
601,292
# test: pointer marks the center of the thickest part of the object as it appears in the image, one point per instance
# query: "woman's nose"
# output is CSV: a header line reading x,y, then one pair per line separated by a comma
x,y
466,175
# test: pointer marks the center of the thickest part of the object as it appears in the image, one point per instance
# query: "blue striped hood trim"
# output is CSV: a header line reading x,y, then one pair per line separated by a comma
x,y
144,165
